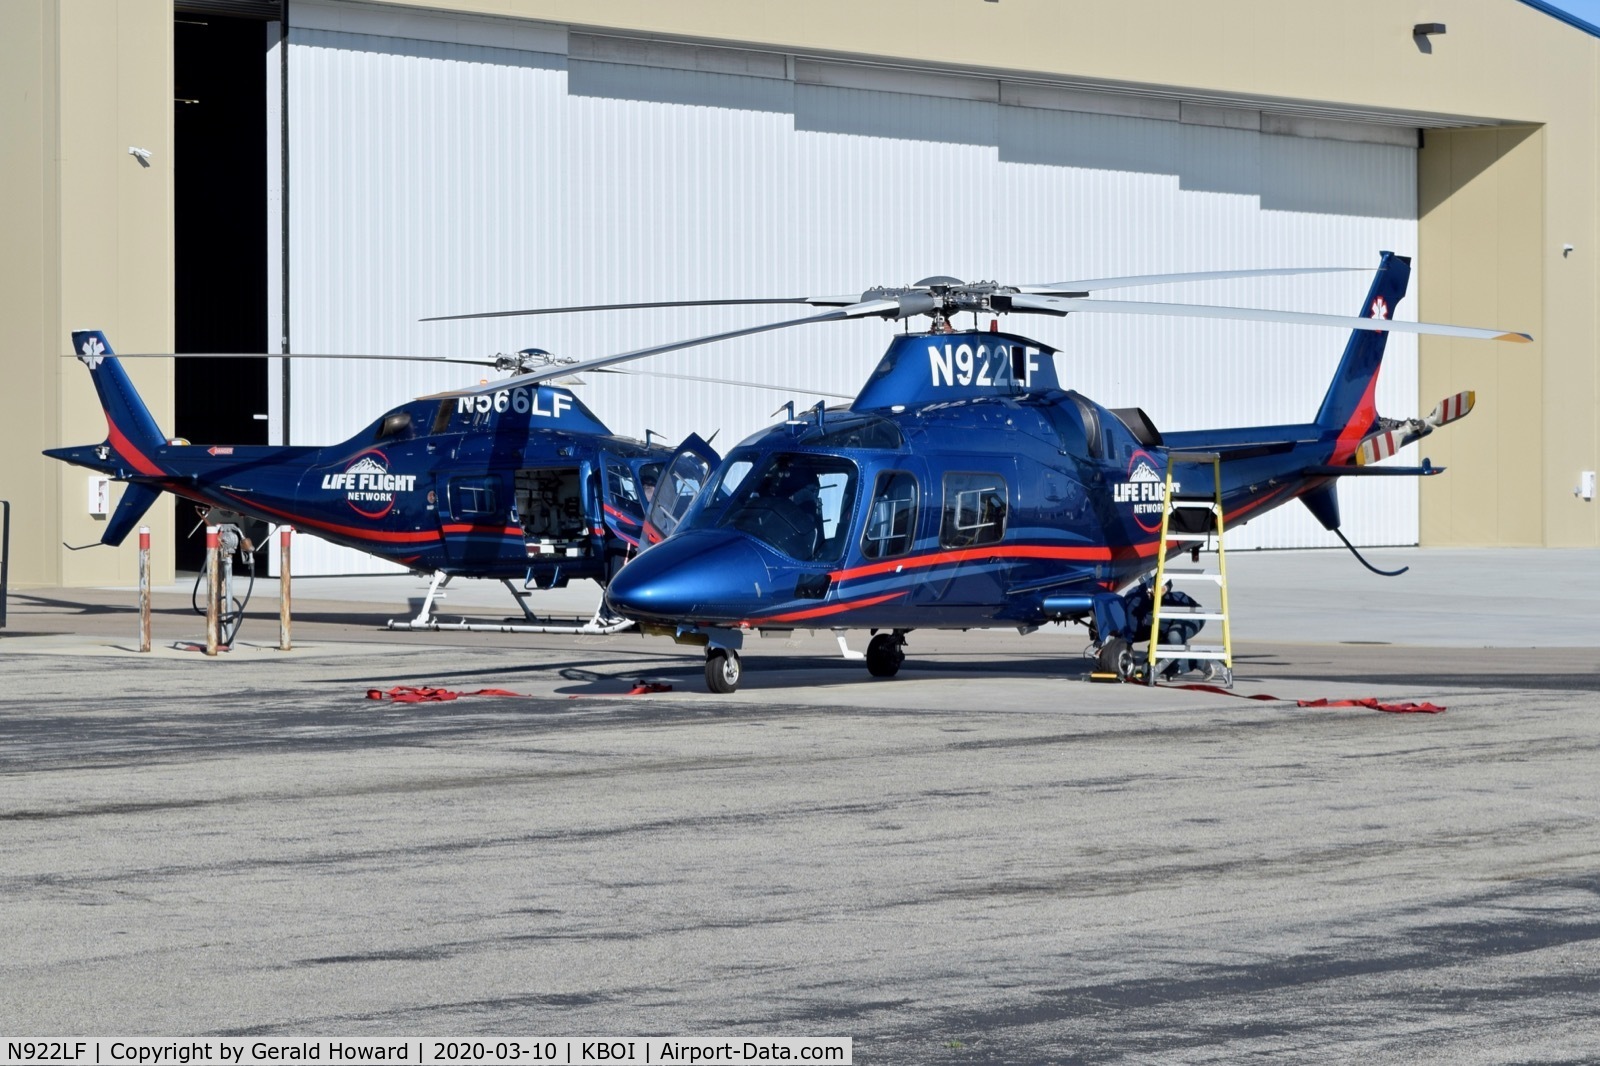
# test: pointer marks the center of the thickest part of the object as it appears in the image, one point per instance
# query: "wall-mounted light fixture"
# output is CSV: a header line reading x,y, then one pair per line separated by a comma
x,y
1428,29
141,154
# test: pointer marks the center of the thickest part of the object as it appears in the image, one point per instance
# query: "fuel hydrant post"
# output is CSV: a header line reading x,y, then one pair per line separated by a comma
x,y
144,588
284,534
213,591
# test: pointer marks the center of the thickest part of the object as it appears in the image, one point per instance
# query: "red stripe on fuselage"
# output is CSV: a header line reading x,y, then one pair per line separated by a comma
x,y
960,555
1086,554
470,527
820,612
353,532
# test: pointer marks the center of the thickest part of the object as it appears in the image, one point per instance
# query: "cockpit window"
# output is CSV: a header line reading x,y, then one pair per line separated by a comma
x,y
798,504
728,480
676,492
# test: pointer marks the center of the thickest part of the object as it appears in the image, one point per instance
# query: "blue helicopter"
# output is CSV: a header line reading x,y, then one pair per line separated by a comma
x,y
521,484
964,487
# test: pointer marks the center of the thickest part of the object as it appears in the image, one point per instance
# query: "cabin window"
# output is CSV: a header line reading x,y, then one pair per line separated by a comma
x,y
621,488
474,497
974,510
892,518
649,477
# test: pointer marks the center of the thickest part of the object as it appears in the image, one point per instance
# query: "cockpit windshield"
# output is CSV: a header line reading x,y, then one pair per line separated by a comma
x,y
796,503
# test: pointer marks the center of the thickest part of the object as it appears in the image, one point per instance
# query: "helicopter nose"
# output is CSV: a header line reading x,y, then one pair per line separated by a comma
x,y
704,575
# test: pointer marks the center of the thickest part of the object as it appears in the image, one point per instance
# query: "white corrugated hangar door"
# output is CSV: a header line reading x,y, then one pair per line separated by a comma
x,y
446,165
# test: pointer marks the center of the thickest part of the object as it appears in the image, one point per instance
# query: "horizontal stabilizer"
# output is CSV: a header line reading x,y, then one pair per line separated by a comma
x,y
1427,469
1230,453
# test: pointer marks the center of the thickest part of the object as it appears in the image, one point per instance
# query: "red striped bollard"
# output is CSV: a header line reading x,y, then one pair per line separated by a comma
x,y
144,588
213,592
284,644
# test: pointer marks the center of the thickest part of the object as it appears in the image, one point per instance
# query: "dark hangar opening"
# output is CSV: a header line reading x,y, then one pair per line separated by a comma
x,y
220,236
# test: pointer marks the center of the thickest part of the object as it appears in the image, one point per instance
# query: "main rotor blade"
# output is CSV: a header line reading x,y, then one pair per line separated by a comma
x,y
1133,280
470,362
865,309
725,381
1067,305
815,301
295,355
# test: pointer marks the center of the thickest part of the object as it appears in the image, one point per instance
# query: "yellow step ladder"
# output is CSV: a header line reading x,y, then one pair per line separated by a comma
x,y
1199,522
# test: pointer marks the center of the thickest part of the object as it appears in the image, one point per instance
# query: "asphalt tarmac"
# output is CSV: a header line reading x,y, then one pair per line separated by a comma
x,y
986,859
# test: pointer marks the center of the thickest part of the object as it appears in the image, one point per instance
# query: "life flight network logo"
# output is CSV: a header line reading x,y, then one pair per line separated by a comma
x,y
368,486
1143,492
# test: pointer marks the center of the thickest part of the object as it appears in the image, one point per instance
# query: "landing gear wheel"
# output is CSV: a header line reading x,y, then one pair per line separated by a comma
x,y
1115,657
722,670
885,653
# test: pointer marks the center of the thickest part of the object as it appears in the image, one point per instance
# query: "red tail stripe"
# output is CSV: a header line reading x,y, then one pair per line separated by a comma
x,y
1361,419
125,448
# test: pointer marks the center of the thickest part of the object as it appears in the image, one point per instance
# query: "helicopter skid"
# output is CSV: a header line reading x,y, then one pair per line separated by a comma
x,y
592,627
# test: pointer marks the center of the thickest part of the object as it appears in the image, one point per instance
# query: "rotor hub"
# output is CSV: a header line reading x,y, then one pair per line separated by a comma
x,y
529,359
942,297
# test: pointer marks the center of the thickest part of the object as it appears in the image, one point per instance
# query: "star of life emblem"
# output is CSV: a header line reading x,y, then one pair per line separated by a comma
x,y
93,352
1380,309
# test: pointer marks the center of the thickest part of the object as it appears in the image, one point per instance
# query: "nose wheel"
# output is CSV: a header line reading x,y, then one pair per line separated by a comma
x,y
722,669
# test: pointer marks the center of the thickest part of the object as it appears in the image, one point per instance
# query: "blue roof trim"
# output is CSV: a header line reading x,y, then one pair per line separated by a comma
x,y
1565,16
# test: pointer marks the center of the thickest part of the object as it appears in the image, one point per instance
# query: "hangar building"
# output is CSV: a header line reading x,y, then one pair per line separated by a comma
x,y
315,176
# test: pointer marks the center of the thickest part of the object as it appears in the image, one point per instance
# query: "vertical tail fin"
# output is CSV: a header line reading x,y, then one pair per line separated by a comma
x,y
1349,408
131,429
